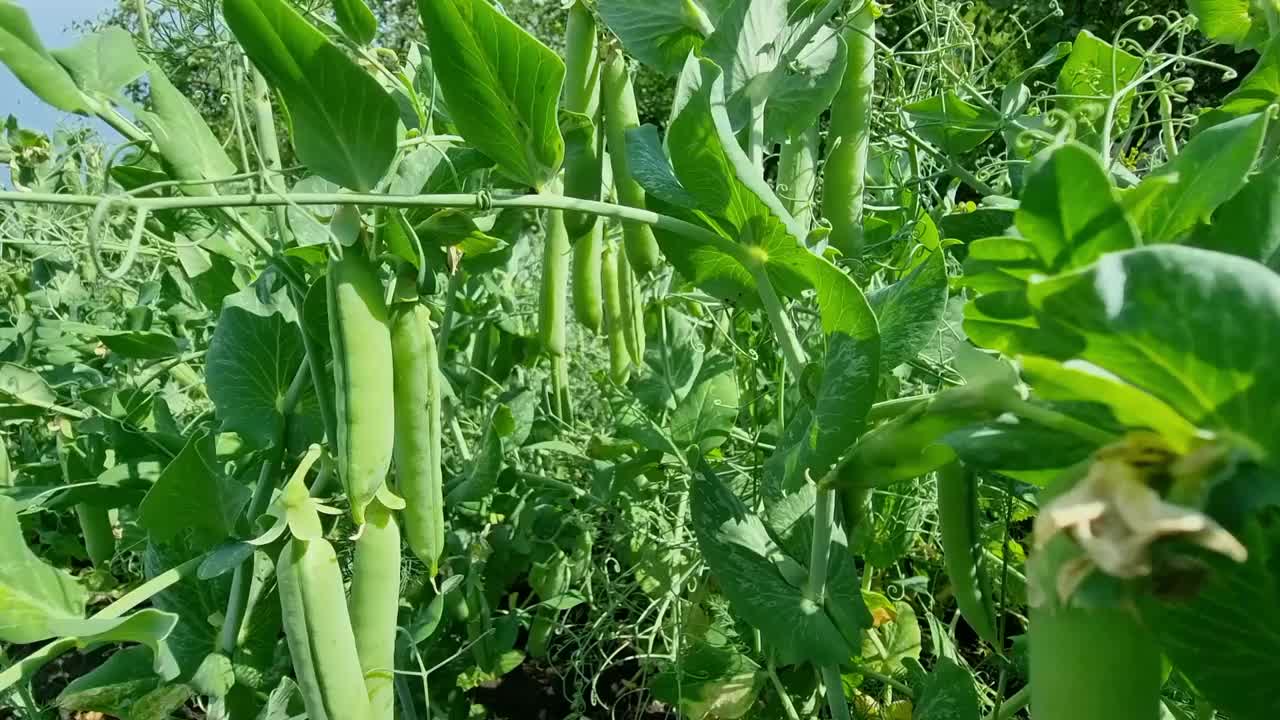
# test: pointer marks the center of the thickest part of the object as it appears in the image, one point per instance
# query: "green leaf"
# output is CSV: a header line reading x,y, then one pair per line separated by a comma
x,y
34,597
801,93
658,33
356,20
745,46
501,84
1259,90
948,693
706,414
1154,318
1211,169
710,681
1070,212
189,148
910,311
1248,224
815,438
254,353
193,494
1223,638
900,640
104,62
25,56
1242,23
344,123
1091,76
141,345
738,549
650,168
953,124
123,686
25,387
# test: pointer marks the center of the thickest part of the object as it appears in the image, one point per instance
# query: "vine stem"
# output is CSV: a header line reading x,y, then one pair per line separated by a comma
x,y
792,352
30,664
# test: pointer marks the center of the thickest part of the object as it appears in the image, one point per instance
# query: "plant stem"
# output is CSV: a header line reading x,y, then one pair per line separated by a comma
x,y
824,516
835,693
1011,705
783,331
787,706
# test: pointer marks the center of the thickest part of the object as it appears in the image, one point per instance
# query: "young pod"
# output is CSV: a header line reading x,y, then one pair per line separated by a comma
x,y
849,135
620,114
619,358
587,289
375,602
555,285
321,642
962,549
362,369
1088,662
632,310
418,430
583,146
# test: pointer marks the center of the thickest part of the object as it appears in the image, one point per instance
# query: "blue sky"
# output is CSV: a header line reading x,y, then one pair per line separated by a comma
x,y
52,20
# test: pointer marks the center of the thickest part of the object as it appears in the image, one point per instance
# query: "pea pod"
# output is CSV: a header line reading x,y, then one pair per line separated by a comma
x,y
962,549
584,152
375,601
849,136
363,373
1087,663
619,359
798,174
418,430
555,284
620,114
321,642
587,280
6,474
632,310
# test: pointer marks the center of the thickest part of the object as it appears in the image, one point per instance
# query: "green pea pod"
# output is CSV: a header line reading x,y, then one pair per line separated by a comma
x,y
798,174
544,621
419,427
583,145
321,642
375,601
632,310
363,377
619,359
962,549
1087,663
619,101
6,473
587,279
849,135
555,285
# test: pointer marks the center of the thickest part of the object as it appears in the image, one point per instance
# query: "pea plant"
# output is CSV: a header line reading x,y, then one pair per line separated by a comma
x,y
871,381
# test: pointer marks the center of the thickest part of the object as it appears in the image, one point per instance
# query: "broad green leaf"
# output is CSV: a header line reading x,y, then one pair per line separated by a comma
x,y
344,123
910,311
254,353
1248,224
1070,212
746,46
1211,169
25,56
34,597
189,148
501,84
126,685
1223,637
801,93
899,640
104,62
356,20
659,33
650,168
815,438
674,354
738,549
705,416
310,224
1017,444
948,693
1191,327
953,124
710,681
193,493
1092,75
1259,90
149,627
1242,23
790,520
25,387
